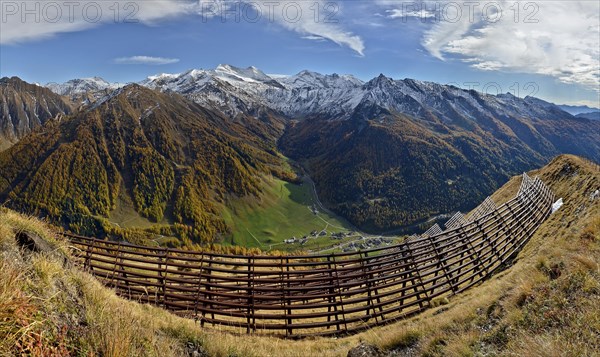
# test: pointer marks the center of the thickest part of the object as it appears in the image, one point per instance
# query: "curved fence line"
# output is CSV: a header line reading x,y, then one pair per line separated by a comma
x,y
319,294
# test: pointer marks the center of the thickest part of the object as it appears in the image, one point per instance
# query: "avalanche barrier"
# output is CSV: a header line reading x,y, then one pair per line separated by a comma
x,y
297,296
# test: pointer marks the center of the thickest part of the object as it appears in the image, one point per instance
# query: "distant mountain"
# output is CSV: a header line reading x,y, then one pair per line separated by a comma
x,y
81,85
24,107
84,90
578,109
309,94
590,115
312,95
237,90
171,160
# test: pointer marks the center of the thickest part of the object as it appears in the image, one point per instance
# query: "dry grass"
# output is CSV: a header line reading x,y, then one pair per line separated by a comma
x,y
546,304
508,191
49,310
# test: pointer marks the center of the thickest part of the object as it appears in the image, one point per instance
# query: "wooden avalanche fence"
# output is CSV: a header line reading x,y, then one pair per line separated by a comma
x,y
298,296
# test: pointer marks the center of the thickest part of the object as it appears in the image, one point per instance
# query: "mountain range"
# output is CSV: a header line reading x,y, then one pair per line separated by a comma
x,y
578,109
590,115
383,153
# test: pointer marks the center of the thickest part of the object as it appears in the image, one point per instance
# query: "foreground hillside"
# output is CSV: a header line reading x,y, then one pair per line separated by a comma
x,y
545,303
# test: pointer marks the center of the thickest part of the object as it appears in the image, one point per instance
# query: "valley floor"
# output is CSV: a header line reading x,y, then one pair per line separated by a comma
x,y
286,217
286,212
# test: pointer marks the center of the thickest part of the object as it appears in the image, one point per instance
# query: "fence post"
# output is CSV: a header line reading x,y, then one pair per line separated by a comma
x,y
494,257
368,283
116,262
287,312
88,264
339,291
208,290
164,279
507,230
441,265
331,298
288,297
250,320
199,287
411,259
479,268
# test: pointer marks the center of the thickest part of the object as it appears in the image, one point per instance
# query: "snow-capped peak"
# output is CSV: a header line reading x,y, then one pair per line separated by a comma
x,y
379,82
82,86
250,74
163,76
313,79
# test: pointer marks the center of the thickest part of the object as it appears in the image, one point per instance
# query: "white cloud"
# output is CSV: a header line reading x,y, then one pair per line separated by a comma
x,y
51,18
309,18
314,38
554,38
146,60
406,13
34,20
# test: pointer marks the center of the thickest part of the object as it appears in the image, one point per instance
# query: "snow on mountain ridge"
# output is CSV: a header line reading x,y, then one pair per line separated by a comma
x,y
80,86
164,76
235,90
250,74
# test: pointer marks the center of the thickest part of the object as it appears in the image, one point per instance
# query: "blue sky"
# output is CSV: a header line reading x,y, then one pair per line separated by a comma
x,y
548,49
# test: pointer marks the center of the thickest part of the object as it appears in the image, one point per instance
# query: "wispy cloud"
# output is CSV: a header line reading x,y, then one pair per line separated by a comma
x,y
40,19
309,18
314,38
559,38
146,60
402,14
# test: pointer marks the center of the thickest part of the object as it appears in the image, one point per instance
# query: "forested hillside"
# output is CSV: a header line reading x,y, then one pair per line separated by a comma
x,y
171,159
383,170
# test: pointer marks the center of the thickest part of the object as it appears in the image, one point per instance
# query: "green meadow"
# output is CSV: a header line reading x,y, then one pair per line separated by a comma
x,y
285,210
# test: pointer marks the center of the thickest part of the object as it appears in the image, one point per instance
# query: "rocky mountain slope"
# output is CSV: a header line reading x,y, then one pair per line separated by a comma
x,y
334,97
578,109
24,107
237,90
590,115
311,94
411,150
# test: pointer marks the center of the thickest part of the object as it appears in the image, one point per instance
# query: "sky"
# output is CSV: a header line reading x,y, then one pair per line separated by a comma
x,y
548,49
